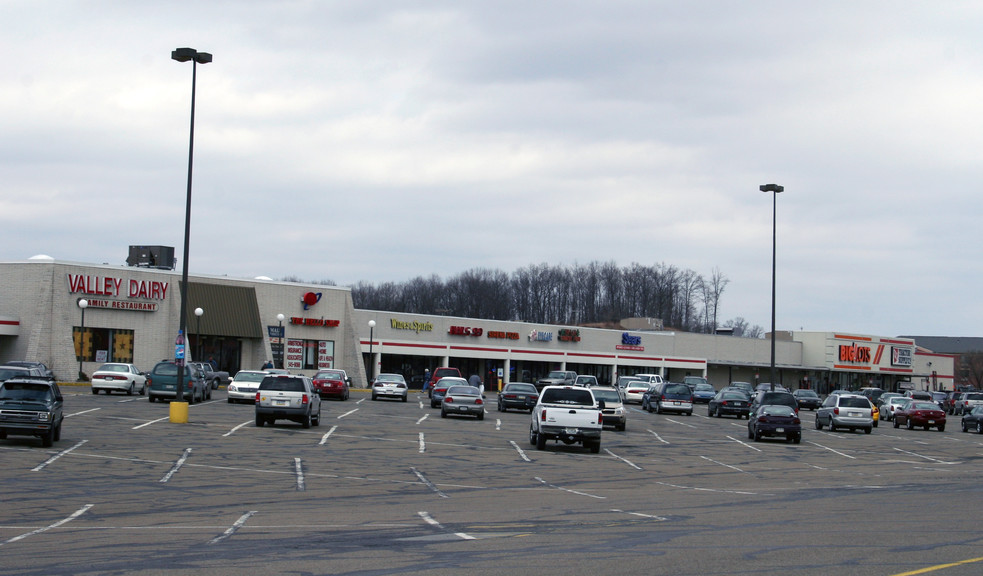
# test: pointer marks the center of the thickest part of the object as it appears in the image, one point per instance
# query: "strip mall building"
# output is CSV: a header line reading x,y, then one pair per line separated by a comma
x,y
132,316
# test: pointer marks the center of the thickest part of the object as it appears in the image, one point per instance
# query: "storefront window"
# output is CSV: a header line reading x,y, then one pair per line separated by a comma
x,y
310,354
103,345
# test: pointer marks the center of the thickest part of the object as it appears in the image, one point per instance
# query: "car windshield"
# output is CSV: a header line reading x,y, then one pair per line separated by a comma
x,y
166,369
733,396
26,392
389,378
703,388
923,406
326,375
250,377
114,368
463,391
973,397
445,382
528,388
677,389
557,374
607,395
807,393
897,400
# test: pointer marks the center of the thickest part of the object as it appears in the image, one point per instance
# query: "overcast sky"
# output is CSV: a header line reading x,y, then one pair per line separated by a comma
x,y
380,141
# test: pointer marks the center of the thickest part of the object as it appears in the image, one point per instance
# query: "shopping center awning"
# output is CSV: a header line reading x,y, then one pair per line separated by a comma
x,y
230,311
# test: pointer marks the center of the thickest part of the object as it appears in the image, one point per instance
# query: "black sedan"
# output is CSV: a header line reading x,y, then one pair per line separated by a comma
x,y
973,420
729,403
517,395
775,420
807,399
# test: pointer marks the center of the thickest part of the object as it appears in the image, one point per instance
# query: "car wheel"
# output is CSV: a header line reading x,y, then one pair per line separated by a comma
x,y
979,427
500,409
910,424
404,398
540,442
48,438
95,391
819,425
868,429
58,432
690,413
750,433
209,394
151,398
532,436
594,447
373,396
306,422
965,427
709,412
757,435
3,435
143,389
658,408
832,427
797,439
260,421
443,414
875,423
481,415
231,401
129,391
942,428
895,420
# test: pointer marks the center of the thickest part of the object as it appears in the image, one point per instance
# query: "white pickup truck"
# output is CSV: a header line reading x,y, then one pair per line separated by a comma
x,y
567,414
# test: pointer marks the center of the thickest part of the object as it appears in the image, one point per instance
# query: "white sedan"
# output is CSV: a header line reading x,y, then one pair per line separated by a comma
x,y
243,387
119,377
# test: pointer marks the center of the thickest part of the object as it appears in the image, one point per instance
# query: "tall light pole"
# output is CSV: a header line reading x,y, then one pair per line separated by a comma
x,y
83,304
198,313
283,341
196,58
774,189
371,358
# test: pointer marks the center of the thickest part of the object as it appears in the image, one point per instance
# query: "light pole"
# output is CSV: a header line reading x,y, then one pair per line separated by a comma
x,y
283,340
83,304
198,313
196,58
774,189
371,358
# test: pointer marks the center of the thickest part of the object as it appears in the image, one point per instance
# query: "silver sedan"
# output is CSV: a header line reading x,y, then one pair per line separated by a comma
x,y
463,400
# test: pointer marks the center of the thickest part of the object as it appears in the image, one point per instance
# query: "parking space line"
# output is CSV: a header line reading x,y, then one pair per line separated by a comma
x,y
299,471
833,451
151,422
230,432
659,438
74,515
656,518
678,422
325,437
232,529
925,457
570,491
82,412
422,418
177,465
429,520
56,456
423,444
347,413
722,464
428,483
521,452
745,444
625,460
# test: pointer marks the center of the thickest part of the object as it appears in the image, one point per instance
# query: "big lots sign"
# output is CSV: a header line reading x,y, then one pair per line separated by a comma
x,y
115,287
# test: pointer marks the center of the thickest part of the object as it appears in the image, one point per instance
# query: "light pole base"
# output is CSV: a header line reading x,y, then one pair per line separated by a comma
x,y
179,412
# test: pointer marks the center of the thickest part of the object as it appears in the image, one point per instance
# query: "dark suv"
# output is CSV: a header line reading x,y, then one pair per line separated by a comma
x,y
772,399
31,407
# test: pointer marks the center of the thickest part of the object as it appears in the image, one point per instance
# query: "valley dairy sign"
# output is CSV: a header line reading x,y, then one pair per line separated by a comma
x,y
106,291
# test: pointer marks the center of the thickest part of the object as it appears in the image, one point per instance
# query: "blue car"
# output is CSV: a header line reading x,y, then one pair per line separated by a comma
x,y
703,393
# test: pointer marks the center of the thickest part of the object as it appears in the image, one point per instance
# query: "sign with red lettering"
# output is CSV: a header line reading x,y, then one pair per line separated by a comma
x,y
465,331
296,321
854,353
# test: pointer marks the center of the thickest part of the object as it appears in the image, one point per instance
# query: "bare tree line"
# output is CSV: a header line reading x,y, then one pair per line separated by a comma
x,y
594,293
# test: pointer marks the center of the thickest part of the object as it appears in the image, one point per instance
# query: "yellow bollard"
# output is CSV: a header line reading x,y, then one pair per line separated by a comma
x,y
179,412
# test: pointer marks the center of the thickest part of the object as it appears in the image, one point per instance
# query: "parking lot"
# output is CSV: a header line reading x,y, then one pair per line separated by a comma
x,y
390,487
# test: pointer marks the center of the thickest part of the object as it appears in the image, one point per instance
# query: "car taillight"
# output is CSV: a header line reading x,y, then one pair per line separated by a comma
x,y
448,399
257,397
836,410
600,417
542,415
479,401
796,421
305,399
762,419
510,396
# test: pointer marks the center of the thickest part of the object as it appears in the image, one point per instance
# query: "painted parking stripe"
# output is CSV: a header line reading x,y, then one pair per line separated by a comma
x,y
521,452
56,456
299,472
74,515
82,412
325,437
177,466
429,520
233,529
625,460
151,422
231,432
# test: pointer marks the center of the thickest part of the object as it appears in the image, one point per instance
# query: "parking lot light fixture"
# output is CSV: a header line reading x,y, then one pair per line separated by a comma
x,y
371,370
83,304
775,189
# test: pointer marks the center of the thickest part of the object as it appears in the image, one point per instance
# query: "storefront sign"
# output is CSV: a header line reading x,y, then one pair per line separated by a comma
x,y
629,342
900,356
116,287
311,298
124,305
540,336
325,354
568,335
503,335
465,331
854,353
314,322
295,355
415,326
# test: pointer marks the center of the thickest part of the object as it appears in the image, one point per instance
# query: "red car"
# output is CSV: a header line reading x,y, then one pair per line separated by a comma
x,y
920,413
442,372
334,383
